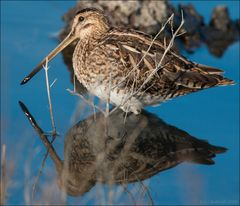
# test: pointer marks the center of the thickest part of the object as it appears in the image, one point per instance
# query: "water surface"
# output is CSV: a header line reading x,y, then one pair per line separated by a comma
x,y
28,32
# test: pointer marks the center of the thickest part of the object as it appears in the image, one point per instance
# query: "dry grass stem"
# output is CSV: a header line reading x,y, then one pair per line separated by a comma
x,y
74,83
85,100
130,195
148,192
150,46
163,56
109,93
159,65
54,81
54,132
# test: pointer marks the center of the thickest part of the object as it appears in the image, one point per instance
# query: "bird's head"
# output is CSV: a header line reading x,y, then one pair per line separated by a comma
x,y
87,23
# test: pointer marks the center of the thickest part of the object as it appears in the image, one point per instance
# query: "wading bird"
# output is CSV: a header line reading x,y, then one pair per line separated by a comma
x,y
126,67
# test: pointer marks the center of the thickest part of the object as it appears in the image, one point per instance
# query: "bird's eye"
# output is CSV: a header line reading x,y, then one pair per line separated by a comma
x,y
81,18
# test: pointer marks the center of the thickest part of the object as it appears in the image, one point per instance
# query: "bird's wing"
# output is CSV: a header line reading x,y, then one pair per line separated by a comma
x,y
139,52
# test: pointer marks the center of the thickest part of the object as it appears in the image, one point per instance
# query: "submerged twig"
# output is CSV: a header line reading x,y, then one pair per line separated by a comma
x,y
38,129
47,143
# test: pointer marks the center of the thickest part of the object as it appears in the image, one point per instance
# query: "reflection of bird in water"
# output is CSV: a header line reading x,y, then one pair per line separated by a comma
x,y
137,68
109,151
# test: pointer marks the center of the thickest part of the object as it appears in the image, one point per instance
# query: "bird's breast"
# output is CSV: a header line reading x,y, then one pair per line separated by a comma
x,y
80,56
93,64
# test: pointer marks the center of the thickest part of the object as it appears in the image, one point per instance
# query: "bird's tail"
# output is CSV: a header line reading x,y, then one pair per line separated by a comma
x,y
213,75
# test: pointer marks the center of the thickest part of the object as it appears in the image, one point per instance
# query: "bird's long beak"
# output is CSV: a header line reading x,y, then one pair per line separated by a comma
x,y
69,39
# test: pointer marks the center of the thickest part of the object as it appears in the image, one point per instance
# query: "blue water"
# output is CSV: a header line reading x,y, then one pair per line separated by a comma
x,y
28,33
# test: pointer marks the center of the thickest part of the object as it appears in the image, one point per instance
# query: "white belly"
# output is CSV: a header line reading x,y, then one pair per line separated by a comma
x,y
118,98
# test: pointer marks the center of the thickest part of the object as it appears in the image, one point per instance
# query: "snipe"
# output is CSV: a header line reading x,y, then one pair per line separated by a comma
x,y
114,64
